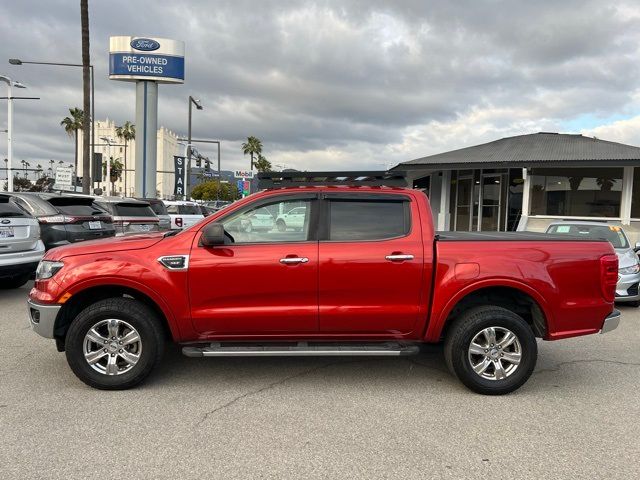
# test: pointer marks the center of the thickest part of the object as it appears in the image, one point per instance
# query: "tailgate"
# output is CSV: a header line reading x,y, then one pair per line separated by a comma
x,y
18,234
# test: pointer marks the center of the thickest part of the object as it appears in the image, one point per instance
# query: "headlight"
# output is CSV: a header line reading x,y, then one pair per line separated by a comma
x,y
47,269
628,270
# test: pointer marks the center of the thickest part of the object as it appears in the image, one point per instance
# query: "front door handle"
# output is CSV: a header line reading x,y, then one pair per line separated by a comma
x,y
398,257
293,260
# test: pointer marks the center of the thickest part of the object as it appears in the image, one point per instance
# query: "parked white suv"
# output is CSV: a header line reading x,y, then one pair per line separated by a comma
x,y
294,219
183,214
20,246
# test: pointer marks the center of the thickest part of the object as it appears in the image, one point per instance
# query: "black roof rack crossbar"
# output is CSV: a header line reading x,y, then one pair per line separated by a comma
x,y
309,179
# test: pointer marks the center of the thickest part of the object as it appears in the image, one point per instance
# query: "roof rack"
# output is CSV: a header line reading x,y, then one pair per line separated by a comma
x,y
355,178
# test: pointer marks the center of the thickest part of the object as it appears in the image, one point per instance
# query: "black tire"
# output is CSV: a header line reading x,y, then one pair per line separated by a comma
x,y
635,304
465,329
14,282
282,227
135,313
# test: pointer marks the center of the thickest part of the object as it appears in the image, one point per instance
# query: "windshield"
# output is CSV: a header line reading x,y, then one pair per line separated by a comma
x,y
612,233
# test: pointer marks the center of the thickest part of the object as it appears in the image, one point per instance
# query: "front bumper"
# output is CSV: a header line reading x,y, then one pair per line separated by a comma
x,y
42,317
611,322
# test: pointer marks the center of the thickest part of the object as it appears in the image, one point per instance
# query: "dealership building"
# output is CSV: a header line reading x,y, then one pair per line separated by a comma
x,y
528,181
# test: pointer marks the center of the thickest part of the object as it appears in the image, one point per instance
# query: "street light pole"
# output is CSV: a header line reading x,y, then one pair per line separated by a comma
x,y
206,141
10,83
17,61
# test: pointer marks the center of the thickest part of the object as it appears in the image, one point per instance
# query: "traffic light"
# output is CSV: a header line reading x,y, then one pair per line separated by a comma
x,y
97,167
198,161
207,165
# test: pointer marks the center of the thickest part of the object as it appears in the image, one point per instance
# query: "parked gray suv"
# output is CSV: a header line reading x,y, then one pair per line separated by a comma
x,y
129,215
65,218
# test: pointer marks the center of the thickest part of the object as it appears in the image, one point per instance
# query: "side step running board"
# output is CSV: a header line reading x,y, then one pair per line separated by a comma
x,y
301,349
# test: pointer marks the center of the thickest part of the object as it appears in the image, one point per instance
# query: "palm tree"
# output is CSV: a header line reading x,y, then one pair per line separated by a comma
x,y
252,146
126,132
71,125
86,105
262,164
38,169
116,171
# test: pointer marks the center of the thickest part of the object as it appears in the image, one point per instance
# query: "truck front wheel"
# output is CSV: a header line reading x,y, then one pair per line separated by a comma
x,y
491,350
114,343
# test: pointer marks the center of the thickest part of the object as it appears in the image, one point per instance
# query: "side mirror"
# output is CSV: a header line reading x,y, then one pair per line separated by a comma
x,y
212,235
637,247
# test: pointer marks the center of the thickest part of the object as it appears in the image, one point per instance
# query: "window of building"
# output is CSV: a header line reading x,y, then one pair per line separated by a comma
x,y
635,194
367,220
579,192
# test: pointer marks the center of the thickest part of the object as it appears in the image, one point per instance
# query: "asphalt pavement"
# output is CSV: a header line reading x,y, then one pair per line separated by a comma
x,y
577,417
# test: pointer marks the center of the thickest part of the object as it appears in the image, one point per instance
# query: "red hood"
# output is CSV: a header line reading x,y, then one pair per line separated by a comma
x,y
115,244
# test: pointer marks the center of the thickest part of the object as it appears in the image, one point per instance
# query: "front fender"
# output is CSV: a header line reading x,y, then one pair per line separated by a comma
x,y
167,289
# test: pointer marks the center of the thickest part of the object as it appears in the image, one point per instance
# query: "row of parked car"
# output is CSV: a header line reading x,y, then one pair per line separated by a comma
x,y
31,223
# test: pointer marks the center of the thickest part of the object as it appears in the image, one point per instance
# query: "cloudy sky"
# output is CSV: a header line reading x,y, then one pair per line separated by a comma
x,y
345,84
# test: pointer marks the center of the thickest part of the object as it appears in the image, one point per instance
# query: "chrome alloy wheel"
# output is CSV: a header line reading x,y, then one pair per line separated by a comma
x,y
495,353
112,347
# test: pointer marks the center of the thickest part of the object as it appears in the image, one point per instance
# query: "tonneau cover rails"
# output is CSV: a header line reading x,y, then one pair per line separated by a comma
x,y
269,180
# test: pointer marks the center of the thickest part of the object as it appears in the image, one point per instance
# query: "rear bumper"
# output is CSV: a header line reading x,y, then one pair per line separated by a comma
x,y
19,263
611,322
42,318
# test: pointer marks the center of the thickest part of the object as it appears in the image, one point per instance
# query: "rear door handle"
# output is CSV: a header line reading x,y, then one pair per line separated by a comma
x,y
293,260
398,257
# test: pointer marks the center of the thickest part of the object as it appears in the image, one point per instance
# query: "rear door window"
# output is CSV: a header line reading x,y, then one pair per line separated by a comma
x,y
35,206
133,210
77,206
355,220
10,209
189,210
158,208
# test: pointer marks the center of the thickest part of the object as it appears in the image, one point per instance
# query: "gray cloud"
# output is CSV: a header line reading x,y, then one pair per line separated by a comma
x,y
357,82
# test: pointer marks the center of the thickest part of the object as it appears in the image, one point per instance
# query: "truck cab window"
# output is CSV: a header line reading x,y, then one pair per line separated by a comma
x,y
285,221
367,220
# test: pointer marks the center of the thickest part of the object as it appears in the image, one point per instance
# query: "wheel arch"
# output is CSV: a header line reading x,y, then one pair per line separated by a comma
x,y
82,298
515,297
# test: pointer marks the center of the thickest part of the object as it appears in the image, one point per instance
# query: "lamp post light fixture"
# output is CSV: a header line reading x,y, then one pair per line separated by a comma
x,y
187,173
17,61
10,84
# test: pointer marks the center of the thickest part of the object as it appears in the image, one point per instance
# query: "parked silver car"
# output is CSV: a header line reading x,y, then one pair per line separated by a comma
x,y
20,246
628,263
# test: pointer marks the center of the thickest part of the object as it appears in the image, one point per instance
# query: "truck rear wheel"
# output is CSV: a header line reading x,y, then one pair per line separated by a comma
x,y
114,343
492,350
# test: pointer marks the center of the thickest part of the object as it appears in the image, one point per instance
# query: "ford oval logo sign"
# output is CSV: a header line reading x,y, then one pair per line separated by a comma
x,y
144,44
5,221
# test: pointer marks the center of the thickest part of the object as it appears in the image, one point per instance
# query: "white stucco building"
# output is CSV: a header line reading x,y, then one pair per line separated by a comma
x,y
167,147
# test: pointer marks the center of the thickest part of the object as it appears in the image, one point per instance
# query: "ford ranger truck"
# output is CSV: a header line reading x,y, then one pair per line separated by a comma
x,y
365,275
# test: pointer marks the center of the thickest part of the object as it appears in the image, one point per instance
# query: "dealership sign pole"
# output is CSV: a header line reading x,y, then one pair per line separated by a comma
x,y
148,62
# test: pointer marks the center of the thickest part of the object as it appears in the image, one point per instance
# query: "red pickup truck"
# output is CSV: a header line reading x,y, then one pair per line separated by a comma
x,y
363,273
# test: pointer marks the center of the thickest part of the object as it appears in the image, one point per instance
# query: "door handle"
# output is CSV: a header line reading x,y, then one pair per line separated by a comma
x,y
398,257
293,260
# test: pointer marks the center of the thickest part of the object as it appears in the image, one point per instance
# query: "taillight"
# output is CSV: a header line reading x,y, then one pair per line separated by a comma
x,y
178,221
51,219
608,276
